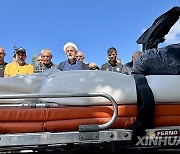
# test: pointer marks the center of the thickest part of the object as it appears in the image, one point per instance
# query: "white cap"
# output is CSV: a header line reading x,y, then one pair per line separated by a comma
x,y
70,44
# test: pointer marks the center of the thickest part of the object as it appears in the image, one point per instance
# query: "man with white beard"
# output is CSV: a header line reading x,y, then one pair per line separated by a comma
x,y
71,63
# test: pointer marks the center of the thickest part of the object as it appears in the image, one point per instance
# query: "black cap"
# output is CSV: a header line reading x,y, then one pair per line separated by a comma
x,y
20,50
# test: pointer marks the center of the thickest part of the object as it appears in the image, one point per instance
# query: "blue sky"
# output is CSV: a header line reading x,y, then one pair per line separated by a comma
x,y
93,25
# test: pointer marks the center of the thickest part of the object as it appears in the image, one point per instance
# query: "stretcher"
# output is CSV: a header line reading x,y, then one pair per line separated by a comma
x,y
57,109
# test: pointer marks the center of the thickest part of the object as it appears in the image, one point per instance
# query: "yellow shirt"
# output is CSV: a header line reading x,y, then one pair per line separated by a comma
x,y
12,69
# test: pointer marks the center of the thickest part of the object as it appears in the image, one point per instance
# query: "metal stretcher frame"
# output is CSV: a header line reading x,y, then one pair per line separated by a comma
x,y
86,134
67,95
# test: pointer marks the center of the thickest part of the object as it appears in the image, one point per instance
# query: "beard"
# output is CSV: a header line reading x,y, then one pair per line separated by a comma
x,y
71,57
21,61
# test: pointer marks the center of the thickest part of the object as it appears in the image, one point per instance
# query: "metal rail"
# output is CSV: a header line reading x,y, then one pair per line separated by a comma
x,y
68,95
53,139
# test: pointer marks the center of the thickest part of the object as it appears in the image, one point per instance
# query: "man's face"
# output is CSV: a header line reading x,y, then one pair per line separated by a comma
x,y
80,56
39,60
46,56
2,54
20,58
70,52
112,56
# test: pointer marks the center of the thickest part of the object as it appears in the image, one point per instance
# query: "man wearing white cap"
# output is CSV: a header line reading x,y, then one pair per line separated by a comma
x,y
71,63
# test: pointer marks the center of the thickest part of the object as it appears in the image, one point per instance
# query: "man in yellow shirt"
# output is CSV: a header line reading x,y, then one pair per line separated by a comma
x,y
19,66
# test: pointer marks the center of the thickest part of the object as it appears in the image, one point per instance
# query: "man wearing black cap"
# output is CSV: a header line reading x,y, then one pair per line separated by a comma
x,y
19,66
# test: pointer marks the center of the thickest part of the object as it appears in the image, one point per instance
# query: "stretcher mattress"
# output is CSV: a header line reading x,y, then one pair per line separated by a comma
x,y
20,120
121,87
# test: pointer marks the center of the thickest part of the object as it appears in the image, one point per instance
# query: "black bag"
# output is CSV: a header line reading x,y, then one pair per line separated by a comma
x,y
161,61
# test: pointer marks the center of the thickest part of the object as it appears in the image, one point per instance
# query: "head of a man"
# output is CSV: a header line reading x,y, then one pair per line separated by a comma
x,y
39,59
46,56
20,56
2,55
93,66
112,54
71,50
80,56
135,55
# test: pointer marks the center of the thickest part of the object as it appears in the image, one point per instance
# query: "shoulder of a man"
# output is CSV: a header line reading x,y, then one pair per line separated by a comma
x,y
29,65
9,68
30,69
9,65
129,64
104,66
60,65
84,66
54,65
5,63
119,64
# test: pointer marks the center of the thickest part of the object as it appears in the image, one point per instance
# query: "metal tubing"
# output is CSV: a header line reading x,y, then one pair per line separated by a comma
x,y
67,95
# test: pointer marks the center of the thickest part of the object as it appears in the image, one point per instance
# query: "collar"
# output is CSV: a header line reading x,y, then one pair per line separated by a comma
x,y
49,65
111,64
72,62
3,64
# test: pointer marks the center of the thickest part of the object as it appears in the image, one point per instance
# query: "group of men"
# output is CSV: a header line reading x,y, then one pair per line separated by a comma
x,y
75,61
